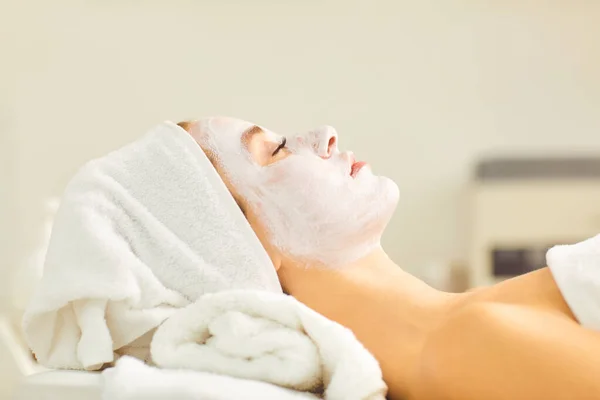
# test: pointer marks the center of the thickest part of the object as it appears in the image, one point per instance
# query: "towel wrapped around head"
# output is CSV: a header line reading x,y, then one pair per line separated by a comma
x,y
140,233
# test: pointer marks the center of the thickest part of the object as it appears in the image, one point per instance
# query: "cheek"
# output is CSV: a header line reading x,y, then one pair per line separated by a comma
x,y
274,175
301,168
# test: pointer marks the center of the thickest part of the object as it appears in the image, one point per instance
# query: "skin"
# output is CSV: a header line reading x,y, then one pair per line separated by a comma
x,y
514,340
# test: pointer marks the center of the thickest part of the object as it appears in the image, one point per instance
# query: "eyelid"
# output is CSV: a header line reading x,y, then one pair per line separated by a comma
x,y
281,146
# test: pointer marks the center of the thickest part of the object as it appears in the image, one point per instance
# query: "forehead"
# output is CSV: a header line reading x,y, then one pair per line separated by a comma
x,y
229,133
229,128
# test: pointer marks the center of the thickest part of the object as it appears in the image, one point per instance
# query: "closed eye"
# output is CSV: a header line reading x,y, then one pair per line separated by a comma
x,y
281,146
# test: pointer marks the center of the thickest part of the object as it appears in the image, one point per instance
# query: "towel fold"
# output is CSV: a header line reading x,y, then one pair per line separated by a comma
x,y
268,337
139,233
131,379
576,271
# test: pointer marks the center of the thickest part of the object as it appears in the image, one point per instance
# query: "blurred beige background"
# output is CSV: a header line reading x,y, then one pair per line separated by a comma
x,y
421,89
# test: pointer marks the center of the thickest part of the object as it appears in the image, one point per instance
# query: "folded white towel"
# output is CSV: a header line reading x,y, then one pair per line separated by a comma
x,y
139,233
268,337
131,379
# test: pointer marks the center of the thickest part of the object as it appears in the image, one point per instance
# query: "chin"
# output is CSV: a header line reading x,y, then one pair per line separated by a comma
x,y
382,205
390,193
388,201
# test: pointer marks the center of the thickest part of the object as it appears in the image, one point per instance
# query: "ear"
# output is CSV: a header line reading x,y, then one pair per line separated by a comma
x,y
274,253
276,262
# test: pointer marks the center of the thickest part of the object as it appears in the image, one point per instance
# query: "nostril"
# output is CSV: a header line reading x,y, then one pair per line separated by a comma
x,y
331,145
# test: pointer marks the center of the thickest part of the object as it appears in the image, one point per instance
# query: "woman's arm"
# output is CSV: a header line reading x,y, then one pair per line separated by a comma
x,y
497,352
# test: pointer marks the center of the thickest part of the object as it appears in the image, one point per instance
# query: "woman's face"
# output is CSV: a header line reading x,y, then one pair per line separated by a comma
x,y
304,198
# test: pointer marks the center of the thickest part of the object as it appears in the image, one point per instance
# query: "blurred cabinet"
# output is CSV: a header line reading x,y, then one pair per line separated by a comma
x,y
521,207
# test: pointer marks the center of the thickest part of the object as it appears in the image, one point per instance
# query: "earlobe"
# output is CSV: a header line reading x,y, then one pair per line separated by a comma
x,y
274,254
263,237
277,264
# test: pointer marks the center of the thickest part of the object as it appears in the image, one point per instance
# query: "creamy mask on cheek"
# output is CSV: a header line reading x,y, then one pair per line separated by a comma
x,y
310,205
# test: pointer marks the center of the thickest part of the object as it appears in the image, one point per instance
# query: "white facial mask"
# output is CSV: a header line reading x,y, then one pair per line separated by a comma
x,y
310,205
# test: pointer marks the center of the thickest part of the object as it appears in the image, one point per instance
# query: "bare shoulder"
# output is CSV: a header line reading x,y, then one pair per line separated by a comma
x,y
536,289
498,351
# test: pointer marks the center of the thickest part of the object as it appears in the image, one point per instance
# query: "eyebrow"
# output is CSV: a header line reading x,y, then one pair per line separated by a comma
x,y
248,133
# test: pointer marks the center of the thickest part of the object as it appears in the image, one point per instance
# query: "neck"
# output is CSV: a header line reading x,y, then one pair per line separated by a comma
x,y
390,311
374,272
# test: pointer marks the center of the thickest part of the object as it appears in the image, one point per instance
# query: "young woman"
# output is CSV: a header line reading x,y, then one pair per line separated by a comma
x,y
320,214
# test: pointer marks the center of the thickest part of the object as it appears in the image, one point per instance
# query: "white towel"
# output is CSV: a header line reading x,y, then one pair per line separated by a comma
x,y
272,338
139,233
576,270
131,379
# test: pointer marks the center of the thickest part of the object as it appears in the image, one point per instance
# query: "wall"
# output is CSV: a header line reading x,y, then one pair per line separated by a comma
x,y
421,89
8,193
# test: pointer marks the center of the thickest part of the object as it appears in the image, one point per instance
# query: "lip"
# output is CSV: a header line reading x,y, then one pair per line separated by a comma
x,y
356,167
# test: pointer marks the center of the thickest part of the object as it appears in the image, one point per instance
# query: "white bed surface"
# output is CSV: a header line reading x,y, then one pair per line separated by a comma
x,y
60,385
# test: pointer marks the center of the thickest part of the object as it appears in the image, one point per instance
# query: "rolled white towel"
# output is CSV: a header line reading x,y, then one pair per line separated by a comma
x,y
272,338
131,379
139,233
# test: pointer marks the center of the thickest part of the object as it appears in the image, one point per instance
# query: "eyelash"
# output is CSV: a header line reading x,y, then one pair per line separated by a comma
x,y
281,146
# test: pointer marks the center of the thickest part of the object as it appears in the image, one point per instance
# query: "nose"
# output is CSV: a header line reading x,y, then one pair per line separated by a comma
x,y
331,145
326,141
